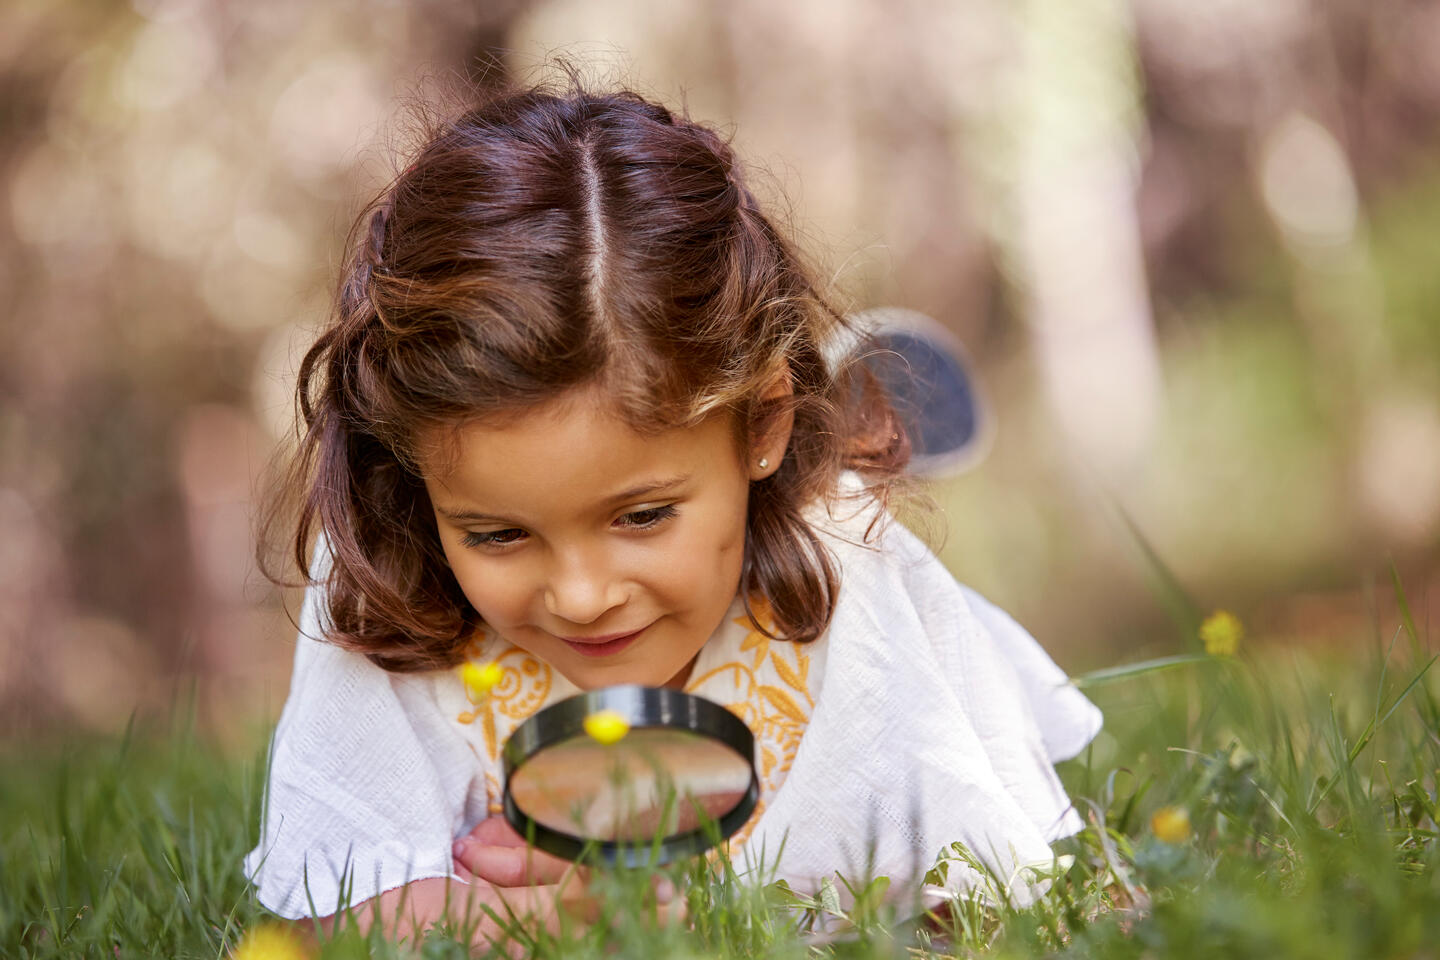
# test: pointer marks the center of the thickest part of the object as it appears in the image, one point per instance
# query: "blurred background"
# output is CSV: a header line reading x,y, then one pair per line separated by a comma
x,y
1191,248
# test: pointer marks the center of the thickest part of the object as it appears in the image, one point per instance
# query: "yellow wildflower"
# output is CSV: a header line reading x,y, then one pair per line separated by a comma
x,y
270,941
1171,824
1221,633
606,726
481,680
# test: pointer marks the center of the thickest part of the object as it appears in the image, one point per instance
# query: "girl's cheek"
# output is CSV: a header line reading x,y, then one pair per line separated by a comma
x,y
491,592
708,559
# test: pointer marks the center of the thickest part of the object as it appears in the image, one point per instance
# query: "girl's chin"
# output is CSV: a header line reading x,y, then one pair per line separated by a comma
x,y
594,676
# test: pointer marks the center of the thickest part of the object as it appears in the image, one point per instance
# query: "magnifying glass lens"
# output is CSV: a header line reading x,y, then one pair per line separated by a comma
x,y
667,775
656,781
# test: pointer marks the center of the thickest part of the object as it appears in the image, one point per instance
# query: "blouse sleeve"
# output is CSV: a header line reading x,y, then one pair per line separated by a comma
x,y
938,721
367,784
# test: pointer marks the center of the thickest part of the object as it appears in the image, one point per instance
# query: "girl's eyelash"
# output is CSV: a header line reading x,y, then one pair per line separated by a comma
x,y
661,514
652,517
487,539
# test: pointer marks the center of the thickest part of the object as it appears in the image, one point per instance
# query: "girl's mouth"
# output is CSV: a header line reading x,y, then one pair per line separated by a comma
x,y
602,646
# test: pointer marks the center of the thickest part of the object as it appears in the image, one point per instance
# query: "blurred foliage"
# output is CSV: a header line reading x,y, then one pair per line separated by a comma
x,y
178,175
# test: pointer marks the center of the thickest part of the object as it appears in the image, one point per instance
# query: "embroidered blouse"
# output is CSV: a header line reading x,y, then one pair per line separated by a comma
x,y
923,716
766,683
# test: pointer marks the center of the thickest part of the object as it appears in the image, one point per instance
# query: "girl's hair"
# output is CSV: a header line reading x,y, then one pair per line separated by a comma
x,y
545,240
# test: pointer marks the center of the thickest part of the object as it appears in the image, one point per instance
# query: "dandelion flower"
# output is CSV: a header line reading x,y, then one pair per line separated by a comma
x,y
606,726
270,941
1221,633
1171,824
481,680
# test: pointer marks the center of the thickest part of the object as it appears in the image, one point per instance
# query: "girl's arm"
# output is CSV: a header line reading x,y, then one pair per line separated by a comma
x,y
407,912
510,884
508,880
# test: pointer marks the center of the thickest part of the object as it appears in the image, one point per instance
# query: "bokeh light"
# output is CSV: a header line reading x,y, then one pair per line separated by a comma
x,y
1189,246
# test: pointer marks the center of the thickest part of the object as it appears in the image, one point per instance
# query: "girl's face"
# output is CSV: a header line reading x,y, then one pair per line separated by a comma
x,y
607,554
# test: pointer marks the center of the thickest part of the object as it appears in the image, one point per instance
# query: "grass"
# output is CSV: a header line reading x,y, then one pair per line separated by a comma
x,y
1308,780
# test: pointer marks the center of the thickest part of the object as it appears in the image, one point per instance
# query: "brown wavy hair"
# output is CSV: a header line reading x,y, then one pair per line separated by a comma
x,y
550,238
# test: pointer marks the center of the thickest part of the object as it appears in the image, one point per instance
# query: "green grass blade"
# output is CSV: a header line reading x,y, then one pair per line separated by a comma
x,y
1184,612
1096,678
1395,705
1404,604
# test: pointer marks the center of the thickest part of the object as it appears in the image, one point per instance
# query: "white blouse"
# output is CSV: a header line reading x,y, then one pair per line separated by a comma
x,y
923,716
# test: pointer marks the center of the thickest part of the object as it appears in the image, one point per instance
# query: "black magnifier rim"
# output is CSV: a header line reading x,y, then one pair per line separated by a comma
x,y
643,708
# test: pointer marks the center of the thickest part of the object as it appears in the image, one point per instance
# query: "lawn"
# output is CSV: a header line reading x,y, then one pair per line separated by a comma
x,y
1273,803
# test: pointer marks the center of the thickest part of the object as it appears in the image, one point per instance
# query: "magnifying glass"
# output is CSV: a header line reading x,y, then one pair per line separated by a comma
x,y
630,775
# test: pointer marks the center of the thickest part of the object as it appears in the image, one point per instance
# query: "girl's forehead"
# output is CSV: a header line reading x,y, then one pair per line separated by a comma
x,y
583,428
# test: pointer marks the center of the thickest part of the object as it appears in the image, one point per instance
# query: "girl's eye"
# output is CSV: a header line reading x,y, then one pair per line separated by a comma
x,y
492,538
635,520
646,519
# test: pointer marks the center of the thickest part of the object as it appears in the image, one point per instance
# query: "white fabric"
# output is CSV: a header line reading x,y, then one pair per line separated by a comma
x,y
936,718
940,721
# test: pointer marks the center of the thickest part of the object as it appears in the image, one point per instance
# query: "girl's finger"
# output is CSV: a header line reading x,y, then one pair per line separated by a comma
x,y
496,832
494,852
510,866
669,905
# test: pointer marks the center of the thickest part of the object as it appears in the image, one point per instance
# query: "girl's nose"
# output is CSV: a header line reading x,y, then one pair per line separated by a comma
x,y
582,592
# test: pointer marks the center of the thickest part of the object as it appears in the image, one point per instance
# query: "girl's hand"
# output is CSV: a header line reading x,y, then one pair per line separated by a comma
x,y
406,912
495,853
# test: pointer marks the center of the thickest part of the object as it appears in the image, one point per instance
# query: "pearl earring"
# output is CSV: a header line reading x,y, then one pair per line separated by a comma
x,y
764,463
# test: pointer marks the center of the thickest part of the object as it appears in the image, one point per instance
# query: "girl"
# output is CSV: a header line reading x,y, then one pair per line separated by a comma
x,y
573,418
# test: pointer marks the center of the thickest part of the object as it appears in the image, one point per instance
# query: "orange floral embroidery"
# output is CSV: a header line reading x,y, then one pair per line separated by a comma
x,y
782,702
524,684
476,646
798,676
777,713
757,639
520,693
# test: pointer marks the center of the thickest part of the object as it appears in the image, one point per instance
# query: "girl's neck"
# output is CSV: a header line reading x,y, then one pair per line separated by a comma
x,y
678,681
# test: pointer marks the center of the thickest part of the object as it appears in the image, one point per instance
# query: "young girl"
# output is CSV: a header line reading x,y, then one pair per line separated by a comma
x,y
574,418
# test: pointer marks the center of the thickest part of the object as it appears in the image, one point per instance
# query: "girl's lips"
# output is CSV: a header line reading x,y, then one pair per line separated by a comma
x,y
601,647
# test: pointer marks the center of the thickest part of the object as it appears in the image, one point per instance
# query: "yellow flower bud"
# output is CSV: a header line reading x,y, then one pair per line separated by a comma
x,y
606,726
270,941
481,680
1221,633
1171,824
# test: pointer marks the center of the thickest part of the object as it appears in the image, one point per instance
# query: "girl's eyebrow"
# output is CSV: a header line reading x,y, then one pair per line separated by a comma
x,y
633,493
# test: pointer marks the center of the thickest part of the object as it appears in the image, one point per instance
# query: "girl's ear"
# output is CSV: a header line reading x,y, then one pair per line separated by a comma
x,y
774,419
